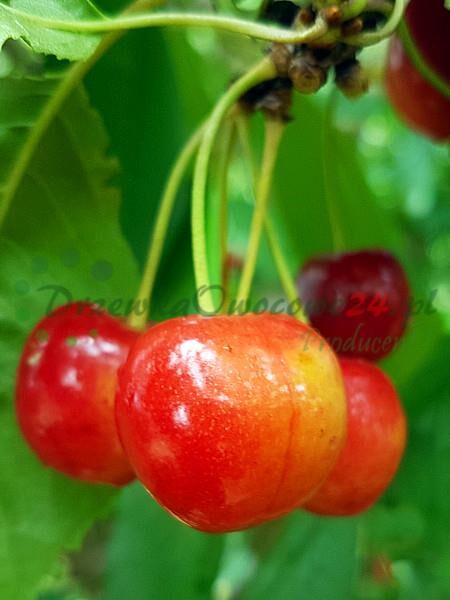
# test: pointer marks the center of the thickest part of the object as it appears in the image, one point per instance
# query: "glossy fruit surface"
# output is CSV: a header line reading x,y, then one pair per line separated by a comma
x,y
357,300
66,385
376,434
231,421
417,102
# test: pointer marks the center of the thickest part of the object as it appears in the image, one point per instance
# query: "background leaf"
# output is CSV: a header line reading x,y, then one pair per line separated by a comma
x,y
313,556
63,45
21,103
153,555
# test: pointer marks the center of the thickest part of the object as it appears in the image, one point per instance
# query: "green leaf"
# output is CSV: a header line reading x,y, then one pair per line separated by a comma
x,y
424,334
146,126
21,104
313,556
327,171
61,233
63,45
154,556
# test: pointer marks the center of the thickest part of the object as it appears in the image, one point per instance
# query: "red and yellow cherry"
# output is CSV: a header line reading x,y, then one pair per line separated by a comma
x,y
376,433
358,301
66,385
229,421
421,105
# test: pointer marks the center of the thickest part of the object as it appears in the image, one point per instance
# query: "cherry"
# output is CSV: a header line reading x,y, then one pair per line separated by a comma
x,y
374,446
357,300
229,421
65,393
421,105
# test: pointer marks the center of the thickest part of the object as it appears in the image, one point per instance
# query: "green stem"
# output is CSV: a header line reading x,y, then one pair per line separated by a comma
x,y
283,271
178,19
382,6
419,62
262,71
373,37
139,320
67,84
274,132
281,265
223,176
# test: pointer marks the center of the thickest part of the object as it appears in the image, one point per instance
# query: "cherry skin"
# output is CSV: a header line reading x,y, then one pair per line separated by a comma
x,y
376,434
416,101
358,301
229,421
66,385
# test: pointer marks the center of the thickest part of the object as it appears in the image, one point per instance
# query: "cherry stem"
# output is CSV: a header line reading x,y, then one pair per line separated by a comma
x,y
177,19
284,274
260,72
329,161
228,139
373,37
274,132
420,63
61,93
139,320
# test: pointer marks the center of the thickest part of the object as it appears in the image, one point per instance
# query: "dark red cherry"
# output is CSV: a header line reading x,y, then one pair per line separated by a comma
x,y
231,421
417,102
66,386
357,300
428,23
376,434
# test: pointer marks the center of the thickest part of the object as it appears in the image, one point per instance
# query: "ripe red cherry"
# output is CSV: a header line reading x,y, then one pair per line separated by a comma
x,y
231,421
422,106
376,432
66,385
358,300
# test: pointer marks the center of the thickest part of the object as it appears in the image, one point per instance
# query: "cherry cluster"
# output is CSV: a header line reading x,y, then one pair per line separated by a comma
x,y
228,421
232,420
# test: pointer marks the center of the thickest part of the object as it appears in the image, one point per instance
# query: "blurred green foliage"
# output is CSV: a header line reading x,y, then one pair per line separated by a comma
x,y
386,186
